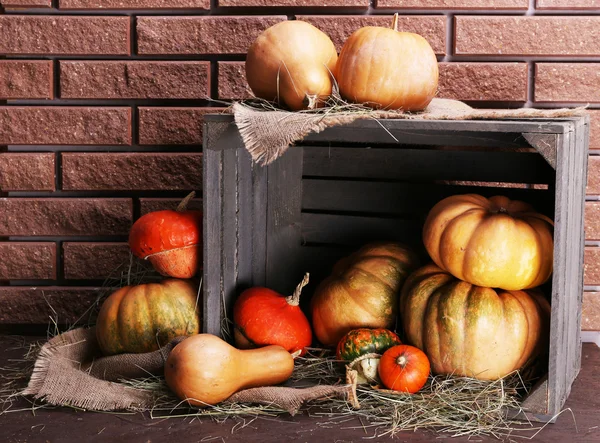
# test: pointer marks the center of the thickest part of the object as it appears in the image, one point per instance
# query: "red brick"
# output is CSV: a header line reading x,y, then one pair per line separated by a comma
x,y
172,126
483,81
339,28
567,82
592,220
200,35
295,3
94,261
591,266
594,129
593,184
26,172
159,204
453,4
41,305
134,4
27,261
58,35
567,4
25,79
120,79
56,125
90,171
26,3
590,311
64,216
541,36
232,81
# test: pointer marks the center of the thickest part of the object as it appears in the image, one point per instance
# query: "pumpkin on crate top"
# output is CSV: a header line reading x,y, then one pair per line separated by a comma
x,y
142,318
493,242
170,240
262,317
362,291
469,330
386,69
293,63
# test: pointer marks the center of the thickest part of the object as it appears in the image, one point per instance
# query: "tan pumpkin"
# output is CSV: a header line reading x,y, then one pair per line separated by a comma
x,y
472,331
361,292
384,68
205,370
142,318
292,62
495,242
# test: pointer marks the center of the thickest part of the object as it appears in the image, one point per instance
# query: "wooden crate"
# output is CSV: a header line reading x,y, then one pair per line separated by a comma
x,y
349,185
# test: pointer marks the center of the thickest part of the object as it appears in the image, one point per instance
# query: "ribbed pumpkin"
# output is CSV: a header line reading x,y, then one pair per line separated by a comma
x,y
469,330
361,292
384,68
142,318
495,242
292,62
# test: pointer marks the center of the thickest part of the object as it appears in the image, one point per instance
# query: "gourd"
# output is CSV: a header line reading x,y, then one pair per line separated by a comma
x,y
205,370
404,368
361,292
495,242
136,319
292,62
170,240
262,317
384,68
469,330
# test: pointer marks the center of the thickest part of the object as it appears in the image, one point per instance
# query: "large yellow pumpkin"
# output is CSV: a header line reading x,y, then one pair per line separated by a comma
x,y
292,62
384,68
142,318
361,292
469,330
495,242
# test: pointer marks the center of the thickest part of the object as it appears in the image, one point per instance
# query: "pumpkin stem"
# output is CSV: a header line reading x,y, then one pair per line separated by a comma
x,y
402,361
395,22
183,204
294,299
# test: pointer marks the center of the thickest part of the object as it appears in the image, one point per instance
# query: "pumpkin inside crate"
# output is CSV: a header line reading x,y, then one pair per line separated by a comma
x,y
347,186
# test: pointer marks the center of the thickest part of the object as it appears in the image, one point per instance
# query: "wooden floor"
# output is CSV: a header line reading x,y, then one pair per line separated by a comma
x,y
68,425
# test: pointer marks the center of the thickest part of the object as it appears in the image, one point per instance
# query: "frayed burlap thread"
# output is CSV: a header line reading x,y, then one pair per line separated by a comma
x,y
267,134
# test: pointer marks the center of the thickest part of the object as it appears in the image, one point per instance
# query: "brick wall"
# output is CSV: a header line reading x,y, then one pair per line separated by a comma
x,y
103,101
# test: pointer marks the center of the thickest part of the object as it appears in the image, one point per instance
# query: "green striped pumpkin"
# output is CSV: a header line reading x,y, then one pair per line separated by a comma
x,y
362,341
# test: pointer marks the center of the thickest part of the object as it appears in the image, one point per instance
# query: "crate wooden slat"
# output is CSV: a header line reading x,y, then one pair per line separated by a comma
x,y
375,180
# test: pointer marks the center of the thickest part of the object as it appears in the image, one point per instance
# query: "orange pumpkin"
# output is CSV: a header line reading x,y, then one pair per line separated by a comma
x,y
292,62
361,292
141,318
495,242
404,368
384,68
263,317
470,330
170,240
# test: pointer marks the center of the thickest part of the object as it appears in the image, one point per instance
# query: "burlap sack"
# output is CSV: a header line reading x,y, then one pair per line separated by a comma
x,y
70,371
267,134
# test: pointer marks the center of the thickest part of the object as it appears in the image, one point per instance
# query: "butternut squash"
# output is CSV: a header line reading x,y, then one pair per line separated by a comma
x,y
205,370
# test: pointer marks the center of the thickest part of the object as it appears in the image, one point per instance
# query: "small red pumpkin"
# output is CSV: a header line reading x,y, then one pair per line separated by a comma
x,y
263,317
404,368
171,240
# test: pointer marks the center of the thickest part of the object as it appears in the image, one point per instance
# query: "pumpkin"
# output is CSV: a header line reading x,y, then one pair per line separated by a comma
x,y
204,370
292,62
363,348
262,317
361,292
404,368
469,330
495,242
170,240
384,68
142,318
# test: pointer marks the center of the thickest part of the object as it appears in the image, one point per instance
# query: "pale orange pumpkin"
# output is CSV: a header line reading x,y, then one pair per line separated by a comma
x,y
292,62
495,242
383,68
